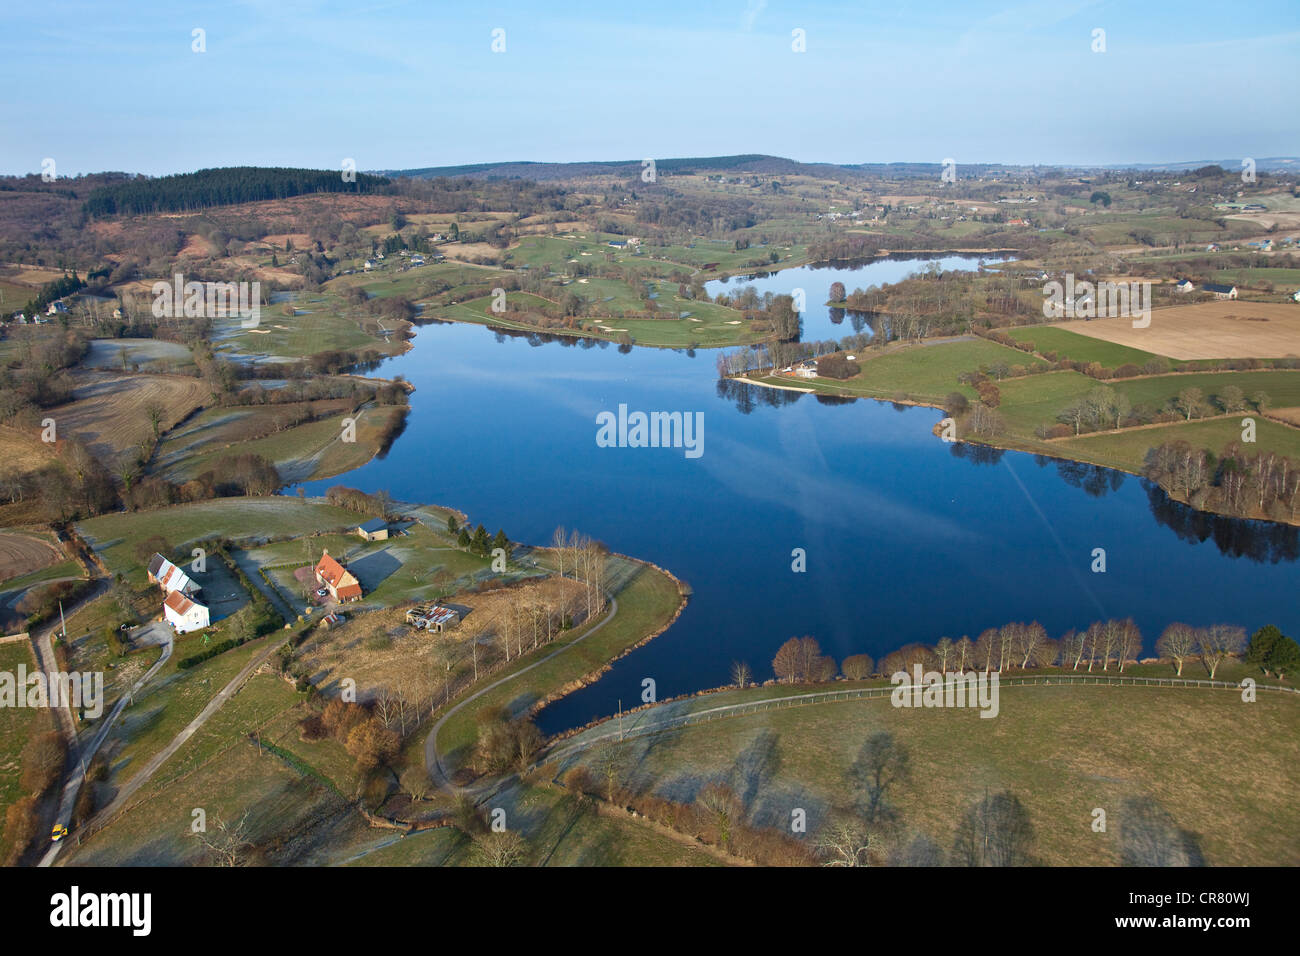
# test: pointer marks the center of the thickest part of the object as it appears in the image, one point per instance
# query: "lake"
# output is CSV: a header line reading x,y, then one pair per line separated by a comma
x,y
907,538
819,320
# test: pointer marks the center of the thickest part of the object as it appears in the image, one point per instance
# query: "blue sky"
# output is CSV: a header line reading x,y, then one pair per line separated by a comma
x,y
101,86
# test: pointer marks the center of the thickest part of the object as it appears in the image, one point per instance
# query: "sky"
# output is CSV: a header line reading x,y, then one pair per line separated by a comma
x,y
392,85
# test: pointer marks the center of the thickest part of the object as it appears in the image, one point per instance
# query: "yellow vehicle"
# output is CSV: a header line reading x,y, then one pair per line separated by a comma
x,y
58,833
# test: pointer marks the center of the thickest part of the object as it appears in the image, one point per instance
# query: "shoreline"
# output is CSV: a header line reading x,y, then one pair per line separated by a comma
x,y
1059,456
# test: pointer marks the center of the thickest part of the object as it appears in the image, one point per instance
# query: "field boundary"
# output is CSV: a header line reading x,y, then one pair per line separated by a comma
x,y
863,693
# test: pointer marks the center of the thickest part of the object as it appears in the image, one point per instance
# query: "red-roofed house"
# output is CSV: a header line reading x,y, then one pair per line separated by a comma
x,y
184,614
342,584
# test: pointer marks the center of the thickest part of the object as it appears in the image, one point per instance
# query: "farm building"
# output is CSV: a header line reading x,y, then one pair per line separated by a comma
x,y
342,584
171,578
1221,291
183,614
432,617
376,529
1184,285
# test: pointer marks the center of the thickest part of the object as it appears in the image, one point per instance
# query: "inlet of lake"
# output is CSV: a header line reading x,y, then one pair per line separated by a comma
x,y
906,538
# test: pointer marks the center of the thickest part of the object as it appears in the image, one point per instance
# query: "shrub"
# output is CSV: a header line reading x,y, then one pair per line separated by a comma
x,y
836,366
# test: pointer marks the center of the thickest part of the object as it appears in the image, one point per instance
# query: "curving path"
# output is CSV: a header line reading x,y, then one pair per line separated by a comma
x,y
433,759
660,718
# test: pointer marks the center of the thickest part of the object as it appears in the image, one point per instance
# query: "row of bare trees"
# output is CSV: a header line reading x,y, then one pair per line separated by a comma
x,y
1264,484
1015,646
584,559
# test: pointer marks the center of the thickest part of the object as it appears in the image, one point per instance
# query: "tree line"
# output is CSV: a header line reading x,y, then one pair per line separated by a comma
x,y
219,187
1027,646
1234,482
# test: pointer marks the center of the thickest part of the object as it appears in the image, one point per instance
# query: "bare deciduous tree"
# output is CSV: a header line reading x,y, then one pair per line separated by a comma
x,y
226,841
1178,643
1217,643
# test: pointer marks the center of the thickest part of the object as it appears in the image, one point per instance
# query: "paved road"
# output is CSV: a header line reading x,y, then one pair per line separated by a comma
x,y
433,759
157,760
72,786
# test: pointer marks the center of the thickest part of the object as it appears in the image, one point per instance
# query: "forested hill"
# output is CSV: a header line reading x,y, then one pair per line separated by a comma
x,y
220,187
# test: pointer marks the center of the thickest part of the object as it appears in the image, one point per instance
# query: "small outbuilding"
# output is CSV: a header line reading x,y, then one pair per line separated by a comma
x,y
432,617
376,529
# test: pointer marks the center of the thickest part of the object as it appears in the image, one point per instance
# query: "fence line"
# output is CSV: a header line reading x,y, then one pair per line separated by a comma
x,y
834,696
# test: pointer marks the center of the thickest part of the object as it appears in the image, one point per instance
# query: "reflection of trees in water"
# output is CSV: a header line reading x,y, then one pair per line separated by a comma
x,y
748,397
976,454
837,316
392,436
1237,537
546,338
356,368
1095,480
833,400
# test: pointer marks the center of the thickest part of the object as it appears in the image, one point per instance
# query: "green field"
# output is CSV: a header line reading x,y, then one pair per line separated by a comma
x,y
424,564
115,536
926,373
1038,399
1063,751
1079,348
708,326
321,322
16,725
1287,280
1128,449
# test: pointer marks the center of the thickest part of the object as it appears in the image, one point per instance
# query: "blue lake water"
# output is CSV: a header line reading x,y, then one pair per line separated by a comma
x,y
907,538
819,320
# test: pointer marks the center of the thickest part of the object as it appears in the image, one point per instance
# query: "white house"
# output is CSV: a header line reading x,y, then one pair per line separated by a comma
x,y
183,614
56,308
1184,285
1296,296
169,577
370,264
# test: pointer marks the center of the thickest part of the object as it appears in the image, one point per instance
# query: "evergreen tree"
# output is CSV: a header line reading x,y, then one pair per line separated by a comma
x,y
463,538
1261,646
452,527
502,542
1284,658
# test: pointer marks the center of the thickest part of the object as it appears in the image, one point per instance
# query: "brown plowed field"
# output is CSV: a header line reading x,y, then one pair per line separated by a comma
x,y
1211,330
